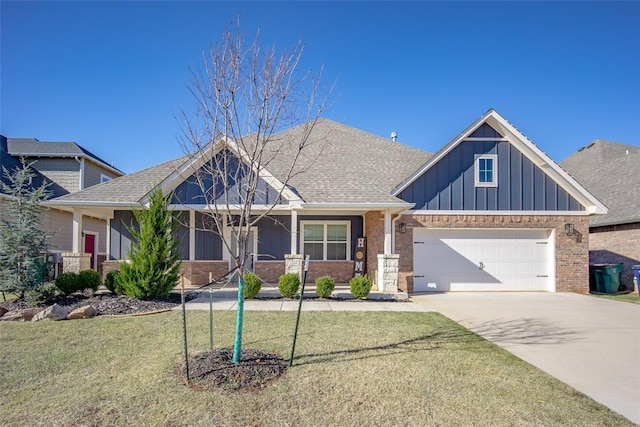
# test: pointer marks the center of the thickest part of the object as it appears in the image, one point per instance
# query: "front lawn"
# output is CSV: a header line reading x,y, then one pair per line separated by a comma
x,y
632,298
352,369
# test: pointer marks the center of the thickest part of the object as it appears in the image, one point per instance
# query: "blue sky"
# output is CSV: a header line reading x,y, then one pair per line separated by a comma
x,y
112,75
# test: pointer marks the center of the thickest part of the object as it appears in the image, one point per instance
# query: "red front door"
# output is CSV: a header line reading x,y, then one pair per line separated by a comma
x,y
90,247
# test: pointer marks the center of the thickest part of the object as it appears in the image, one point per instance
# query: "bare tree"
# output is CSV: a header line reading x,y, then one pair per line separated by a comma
x,y
245,95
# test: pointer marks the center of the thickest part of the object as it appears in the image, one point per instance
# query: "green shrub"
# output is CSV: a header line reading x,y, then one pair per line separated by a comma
x,y
89,279
288,285
43,294
252,285
360,286
111,283
325,286
68,283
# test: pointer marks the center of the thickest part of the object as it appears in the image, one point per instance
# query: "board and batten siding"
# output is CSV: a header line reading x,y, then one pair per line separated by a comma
x,y
522,186
121,237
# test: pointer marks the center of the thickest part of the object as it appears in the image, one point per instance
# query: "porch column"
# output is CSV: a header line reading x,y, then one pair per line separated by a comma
x,y
192,235
387,233
294,232
76,245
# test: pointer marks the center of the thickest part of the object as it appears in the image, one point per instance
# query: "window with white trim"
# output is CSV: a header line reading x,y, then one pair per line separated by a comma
x,y
104,178
328,240
486,170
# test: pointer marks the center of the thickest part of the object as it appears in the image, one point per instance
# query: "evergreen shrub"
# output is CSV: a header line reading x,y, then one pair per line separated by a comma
x,y
360,286
288,285
325,286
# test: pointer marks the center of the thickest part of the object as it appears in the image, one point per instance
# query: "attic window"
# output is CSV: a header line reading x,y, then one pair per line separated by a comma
x,y
104,178
486,170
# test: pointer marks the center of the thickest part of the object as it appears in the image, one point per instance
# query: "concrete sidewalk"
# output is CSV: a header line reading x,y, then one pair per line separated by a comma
x,y
269,299
589,343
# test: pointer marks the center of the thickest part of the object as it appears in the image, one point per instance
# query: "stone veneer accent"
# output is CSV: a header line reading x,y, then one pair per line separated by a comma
x,y
388,273
75,262
572,259
615,244
293,263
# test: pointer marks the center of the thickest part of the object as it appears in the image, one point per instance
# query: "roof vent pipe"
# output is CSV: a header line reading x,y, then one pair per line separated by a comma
x,y
394,136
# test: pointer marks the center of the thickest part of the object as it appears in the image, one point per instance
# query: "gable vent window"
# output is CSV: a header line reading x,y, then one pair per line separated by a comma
x,y
486,170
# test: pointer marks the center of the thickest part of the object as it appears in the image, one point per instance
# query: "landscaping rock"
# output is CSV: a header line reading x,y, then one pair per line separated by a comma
x,y
84,312
3,311
54,312
20,315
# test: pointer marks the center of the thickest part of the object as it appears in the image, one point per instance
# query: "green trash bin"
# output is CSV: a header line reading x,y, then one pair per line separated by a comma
x,y
605,278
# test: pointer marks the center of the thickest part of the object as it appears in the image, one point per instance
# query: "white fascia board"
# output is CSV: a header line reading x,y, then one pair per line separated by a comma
x,y
441,153
547,165
91,204
232,208
478,213
336,207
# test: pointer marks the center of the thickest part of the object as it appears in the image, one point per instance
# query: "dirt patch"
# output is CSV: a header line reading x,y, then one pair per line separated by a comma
x,y
215,370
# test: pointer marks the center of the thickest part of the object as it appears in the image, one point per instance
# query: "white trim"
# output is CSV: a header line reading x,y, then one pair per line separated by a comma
x,y
197,160
294,232
494,170
387,233
227,233
551,257
324,241
81,178
478,212
232,208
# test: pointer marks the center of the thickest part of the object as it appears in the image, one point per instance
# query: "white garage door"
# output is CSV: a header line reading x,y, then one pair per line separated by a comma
x,y
481,260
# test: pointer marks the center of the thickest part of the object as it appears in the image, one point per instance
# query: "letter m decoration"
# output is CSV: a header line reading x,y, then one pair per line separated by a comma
x,y
360,266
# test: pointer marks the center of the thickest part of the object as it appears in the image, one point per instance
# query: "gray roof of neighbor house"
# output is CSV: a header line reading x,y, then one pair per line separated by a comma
x,y
611,172
10,163
31,147
340,164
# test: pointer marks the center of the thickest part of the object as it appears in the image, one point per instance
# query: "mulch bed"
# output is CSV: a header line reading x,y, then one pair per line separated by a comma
x,y
215,370
107,304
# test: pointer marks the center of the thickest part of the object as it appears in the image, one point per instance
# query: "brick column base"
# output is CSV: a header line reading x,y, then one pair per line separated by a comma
x,y
75,262
388,273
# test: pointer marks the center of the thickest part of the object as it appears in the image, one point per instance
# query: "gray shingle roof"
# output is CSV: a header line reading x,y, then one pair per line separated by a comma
x,y
611,172
340,164
30,147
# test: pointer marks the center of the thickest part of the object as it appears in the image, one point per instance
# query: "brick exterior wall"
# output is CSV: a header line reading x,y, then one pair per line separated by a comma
x,y
341,271
616,244
374,231
269,271
195,273
572,259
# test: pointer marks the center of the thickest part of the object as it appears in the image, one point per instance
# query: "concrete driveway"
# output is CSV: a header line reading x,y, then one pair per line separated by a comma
x,y
590,343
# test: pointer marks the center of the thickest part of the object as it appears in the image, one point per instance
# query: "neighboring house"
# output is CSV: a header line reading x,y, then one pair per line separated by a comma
x,y
489,211
68,168
611,172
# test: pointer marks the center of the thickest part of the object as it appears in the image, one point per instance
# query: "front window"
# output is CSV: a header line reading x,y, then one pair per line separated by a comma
x,y
486,171
326,241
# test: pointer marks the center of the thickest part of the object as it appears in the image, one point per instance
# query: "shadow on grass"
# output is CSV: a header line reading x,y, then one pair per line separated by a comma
x,y
523,331
424,343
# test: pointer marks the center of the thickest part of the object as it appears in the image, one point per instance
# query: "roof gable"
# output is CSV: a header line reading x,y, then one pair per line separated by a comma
x,y
493,127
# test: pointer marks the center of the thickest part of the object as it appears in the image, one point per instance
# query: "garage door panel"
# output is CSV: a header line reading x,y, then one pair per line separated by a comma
x,y
488,259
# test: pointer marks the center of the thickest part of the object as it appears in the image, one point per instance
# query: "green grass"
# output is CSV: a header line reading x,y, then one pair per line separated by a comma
x,y
351,369
632,298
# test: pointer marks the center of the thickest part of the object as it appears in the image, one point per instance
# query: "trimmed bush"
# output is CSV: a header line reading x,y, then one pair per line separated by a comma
x,y
252,285
89,279
360,286
43,294
68,283
325,286
288,285
111,283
